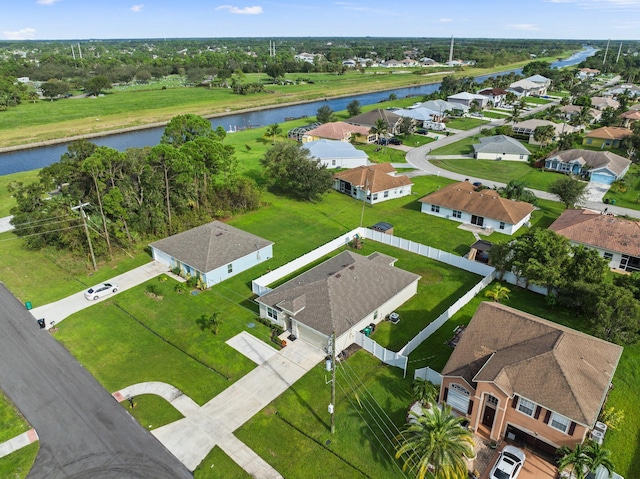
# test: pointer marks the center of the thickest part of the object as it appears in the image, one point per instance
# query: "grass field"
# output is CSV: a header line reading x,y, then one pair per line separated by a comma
x,y
501,171
630,198
465,123
18,464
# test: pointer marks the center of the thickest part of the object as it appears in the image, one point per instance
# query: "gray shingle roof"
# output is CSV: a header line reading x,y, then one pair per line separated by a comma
x,y
594,159
330,149
340,292
210,246
557,367
501,144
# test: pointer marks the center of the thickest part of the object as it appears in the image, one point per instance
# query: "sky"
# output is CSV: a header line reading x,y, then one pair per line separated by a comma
x,y
107,19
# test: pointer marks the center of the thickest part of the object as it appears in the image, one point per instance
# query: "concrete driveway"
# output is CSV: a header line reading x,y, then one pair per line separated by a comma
x,y
55,312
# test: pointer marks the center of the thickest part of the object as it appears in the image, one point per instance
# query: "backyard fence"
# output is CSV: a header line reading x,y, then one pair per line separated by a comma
x,y
511,278
428,374
386,356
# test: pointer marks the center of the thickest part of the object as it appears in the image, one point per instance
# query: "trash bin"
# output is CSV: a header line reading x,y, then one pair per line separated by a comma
x,y
613,202
41,323
28,305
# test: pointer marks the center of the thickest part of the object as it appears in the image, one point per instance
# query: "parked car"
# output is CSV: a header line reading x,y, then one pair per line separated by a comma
x,y
382,141
421,131
509,464
395,141
100,290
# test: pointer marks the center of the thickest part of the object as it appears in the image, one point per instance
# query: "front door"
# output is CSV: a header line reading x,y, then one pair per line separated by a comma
x,y
477,220
488,416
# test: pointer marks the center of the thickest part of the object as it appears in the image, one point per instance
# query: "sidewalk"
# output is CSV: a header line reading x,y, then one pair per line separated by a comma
x,y
18,442
55,312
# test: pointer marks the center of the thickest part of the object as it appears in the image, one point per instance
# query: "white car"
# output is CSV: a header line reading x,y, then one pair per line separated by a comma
x,y
509,464
100,290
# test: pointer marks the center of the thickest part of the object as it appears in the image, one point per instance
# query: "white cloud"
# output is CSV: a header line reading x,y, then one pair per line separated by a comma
x,y
241,11
24,34
137,8
46,2
445,20
523,26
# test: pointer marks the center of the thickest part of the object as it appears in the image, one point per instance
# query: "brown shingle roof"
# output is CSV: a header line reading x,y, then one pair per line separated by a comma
x,y
493,91
556,367
337,130
377,177
592,228
595,159
631,115
210,246
610,133
340,292
488,203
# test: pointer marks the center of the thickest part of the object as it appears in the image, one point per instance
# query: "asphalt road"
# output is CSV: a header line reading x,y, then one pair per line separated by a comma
x,y
83,431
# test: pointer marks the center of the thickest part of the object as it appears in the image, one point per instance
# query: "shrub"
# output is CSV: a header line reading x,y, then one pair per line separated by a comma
x,y
179,288
153,289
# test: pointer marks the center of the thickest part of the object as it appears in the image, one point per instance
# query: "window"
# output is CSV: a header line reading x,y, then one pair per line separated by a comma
x,y
608,256
589,141
526,407
501,225
375,315
435,208
559,422
230,268
272,313
333,162
491,400
386,194
375,196
522,157
457,214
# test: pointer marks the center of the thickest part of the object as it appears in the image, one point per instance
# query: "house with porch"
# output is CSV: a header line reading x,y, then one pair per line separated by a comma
x,y
599,166
606,137
526,87
212,252
342,295
373,183
520,377
336,154
527,129
484,208
602,102
338,130
615,239
500,147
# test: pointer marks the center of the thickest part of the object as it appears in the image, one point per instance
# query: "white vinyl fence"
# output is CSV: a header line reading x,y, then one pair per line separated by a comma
x,y
383,354
428,374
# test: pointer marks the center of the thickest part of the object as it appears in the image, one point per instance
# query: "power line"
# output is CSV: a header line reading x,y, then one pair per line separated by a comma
x,y
41,233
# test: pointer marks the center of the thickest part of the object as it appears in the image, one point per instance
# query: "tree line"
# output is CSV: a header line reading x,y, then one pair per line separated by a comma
x,y
190,177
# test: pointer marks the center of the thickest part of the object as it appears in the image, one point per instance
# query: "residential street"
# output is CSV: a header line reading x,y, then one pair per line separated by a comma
x,y
83,431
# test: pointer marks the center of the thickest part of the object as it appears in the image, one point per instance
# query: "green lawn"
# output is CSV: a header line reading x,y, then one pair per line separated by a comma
x,y
6,200
495,114
465,123
18,464
629,196
536,100
218,465
383,154
501,171
13,423
152,411
460,147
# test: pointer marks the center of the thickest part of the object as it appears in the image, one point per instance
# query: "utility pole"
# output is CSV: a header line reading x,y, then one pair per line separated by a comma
x,y
81,207
619,51
605,53
332,406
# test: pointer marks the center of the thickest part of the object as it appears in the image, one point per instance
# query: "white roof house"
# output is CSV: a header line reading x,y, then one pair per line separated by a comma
x,y
418,114
500,147
467,99
337,154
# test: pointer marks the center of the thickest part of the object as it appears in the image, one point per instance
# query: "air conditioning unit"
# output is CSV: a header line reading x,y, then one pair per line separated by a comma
x,y
597,436
600,426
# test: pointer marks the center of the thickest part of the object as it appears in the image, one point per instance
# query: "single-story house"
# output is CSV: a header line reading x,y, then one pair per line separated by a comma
x,y
607,137
344,294
443,106
212,252
339,130
500,147
616,239
584,73
369,118
626,89
418,114
600,166
485,208
630,117
467,99
373,183
496,96
601,102
527,128
571,111
520,377
527,87
336,154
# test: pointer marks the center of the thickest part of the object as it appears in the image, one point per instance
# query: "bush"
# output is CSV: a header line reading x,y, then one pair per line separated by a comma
x,y
179,288
153,289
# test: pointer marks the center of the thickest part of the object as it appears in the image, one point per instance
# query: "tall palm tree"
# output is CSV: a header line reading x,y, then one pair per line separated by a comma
x,y
516,113
436,442
598,456
424,391
379,128
575,458
273,131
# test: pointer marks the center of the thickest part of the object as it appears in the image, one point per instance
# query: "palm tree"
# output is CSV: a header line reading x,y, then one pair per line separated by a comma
x,y
498,293
425,391
598,456
515,114
577,459
273,131
379,128
436,442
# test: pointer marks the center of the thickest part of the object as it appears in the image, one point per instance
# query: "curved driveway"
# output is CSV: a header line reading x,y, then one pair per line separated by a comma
x,y
84,433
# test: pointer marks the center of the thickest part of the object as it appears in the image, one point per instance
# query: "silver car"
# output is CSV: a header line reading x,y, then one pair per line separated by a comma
x,y
100,290
509,464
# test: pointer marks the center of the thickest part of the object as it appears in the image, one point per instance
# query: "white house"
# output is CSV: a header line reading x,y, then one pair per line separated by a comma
x,y
372,184
344,294
496,96
485,208
467,99
500,147
212,252
611,236
336,154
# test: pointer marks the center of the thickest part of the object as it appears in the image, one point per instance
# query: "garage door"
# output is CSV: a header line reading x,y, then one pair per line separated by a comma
x,y
602,178
458,398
